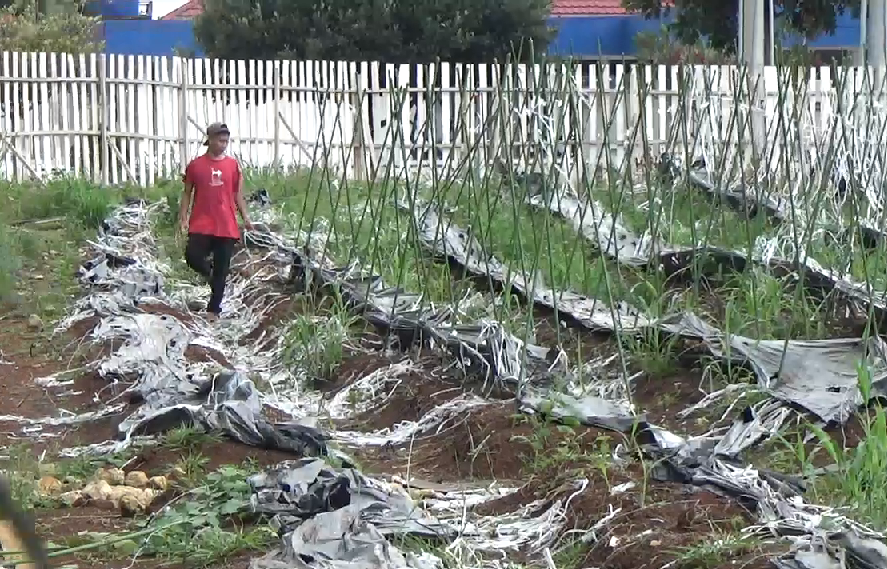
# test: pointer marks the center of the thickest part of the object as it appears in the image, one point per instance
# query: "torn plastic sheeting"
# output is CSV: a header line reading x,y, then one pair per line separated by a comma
x,y
819,553
97,304
154,347
618,243
66,419
749,199
621,245
299,489
453,502
435,421
487,344
458,245
323,520
410,319
369,387
600,228
780,508
451,242
820,375
152,356
132,281
594,411
336,518
229,403
338,540
154,350
754,424
738,198
859,293
530,529
815,275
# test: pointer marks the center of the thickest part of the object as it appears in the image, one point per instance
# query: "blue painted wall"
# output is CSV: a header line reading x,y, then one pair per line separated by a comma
x,y
580,36
846,35
149,37
598,36
613,36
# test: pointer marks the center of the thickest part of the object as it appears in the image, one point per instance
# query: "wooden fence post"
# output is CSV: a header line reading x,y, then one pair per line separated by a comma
x,y
276,73
183,113
103,119
358,80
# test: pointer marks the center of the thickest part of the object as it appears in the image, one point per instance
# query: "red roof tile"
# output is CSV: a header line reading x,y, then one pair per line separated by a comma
x,y
186,12
558,8
588,8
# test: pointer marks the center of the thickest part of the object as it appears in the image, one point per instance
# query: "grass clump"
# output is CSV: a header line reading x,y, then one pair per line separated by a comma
x,y
188,439
316,339
859,481
81,203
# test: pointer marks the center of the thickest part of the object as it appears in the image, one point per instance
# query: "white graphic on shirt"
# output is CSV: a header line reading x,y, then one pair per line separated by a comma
x,y
216,179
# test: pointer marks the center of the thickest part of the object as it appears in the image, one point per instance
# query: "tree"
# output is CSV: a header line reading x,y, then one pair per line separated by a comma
x,y
392,31
718,21
64,31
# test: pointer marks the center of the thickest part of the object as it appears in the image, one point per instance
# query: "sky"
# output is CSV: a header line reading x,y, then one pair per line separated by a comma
x,y
162,7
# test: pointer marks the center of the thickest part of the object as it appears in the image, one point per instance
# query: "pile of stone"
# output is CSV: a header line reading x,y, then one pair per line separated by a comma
x,y
110,488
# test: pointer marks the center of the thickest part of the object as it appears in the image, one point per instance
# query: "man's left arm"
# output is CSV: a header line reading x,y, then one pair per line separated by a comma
x,y
240,201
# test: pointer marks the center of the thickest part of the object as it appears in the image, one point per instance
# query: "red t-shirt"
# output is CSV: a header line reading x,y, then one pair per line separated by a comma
x,y
216,183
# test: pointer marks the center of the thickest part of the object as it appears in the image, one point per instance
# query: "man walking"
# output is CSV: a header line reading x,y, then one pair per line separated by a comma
x,y
208,213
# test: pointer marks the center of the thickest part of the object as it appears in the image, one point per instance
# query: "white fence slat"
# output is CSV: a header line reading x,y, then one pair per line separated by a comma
x,y
8,159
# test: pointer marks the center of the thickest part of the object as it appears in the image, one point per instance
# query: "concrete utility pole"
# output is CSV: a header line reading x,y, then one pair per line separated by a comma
x,y
752,40
860,58
771,33
875,33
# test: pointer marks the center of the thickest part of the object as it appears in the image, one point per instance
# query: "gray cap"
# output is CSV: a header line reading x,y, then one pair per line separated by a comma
x,y
215,129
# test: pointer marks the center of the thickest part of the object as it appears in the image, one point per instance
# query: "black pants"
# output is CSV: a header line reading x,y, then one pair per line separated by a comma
x,y
197,253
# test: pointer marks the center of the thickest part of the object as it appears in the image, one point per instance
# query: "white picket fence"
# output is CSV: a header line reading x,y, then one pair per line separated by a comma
x,y
130,119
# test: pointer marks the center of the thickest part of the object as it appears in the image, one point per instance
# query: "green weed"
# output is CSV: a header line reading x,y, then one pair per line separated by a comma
x,y
315,341
188,439
208,525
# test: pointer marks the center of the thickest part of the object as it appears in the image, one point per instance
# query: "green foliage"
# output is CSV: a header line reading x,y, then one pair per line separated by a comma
x,y
83,203
10,262
395,31
315,342
661,48
62,31
860,480
202,529
719,21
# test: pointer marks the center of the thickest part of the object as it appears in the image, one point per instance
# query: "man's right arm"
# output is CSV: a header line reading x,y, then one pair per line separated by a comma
x,y
185,202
